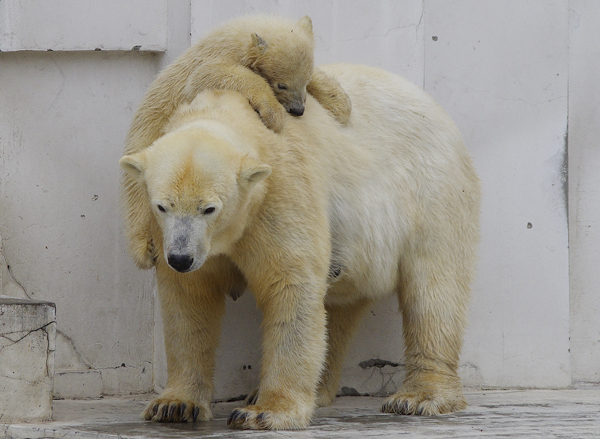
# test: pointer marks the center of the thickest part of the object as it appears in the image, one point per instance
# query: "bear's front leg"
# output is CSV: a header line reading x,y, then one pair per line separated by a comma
x,y
293,354
192,307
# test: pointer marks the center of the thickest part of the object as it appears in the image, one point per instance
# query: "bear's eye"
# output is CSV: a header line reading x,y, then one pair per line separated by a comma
x,y
209,210
161,208
282,86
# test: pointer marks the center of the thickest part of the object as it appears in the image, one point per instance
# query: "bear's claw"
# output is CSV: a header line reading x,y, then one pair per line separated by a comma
x,y
252,398
237,418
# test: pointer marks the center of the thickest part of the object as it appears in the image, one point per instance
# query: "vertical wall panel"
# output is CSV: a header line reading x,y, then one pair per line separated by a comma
x,y
500,69
584,189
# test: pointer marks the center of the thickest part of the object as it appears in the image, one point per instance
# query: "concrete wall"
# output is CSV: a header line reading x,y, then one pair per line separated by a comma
x,y
516,76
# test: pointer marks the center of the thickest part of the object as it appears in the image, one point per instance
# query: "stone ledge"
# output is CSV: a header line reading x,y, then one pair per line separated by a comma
x,y
27,344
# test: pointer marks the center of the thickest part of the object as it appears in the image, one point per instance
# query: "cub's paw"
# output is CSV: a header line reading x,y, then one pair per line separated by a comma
x,y
340,106
423,403
330,94
254,417
175,410
272,114
144,253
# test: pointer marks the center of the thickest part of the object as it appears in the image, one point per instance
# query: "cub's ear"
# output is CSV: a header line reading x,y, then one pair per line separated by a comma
x,y
134,164
306,23
256,173
260,44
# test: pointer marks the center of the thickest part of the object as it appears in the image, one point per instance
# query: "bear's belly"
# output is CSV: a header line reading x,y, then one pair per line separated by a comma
x,y
365,256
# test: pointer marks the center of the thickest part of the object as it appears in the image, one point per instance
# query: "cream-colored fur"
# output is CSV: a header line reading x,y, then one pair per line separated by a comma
x,y
267,59
318,222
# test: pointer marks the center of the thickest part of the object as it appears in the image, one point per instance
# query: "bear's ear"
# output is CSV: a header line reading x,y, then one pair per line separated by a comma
x,y
260,44
254,174
306,23
133,164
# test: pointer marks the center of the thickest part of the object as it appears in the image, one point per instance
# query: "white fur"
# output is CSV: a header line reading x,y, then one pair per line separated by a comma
x,y
388,204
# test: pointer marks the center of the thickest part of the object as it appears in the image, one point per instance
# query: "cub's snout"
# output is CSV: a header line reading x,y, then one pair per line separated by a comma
x,y
296,110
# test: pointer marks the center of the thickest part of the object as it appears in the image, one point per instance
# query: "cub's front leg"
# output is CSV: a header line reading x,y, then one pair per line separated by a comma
x,y
139,223
330,94
222,76
192,307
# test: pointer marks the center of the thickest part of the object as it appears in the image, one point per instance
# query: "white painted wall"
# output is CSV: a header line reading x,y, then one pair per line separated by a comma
x,y
511,74
63,118
501,71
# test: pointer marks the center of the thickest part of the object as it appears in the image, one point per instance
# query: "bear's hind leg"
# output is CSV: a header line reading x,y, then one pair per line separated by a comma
x,y
342,321
433,300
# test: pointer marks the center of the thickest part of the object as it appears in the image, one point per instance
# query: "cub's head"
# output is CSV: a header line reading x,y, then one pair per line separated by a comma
x,y
286,60
200,186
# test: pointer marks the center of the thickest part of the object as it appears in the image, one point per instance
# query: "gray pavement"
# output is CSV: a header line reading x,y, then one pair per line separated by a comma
x,y
499,413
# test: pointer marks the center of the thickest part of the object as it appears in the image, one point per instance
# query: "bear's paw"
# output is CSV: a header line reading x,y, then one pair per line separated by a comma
x,y
254,417
175,410
424,403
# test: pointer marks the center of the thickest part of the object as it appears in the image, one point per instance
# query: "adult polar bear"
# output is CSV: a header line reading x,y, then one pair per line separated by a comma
x,y
318,221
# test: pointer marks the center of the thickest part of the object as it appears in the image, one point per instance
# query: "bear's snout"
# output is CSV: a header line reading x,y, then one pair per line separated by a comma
x,y
181,263
296,111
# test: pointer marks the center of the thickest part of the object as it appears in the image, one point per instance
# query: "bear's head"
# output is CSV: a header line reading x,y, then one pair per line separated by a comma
x,y
200,180
285,59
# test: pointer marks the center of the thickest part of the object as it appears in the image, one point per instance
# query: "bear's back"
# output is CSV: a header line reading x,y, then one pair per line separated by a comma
x,y
400,166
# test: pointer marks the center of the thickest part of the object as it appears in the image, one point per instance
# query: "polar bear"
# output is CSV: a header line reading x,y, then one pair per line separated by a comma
x,y
268,59
318,222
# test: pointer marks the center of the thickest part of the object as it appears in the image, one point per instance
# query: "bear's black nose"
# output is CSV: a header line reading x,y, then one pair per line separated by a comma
x,y
296,111
181,263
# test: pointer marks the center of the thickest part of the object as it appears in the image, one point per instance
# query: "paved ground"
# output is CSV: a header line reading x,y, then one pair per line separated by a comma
x,y
509,414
